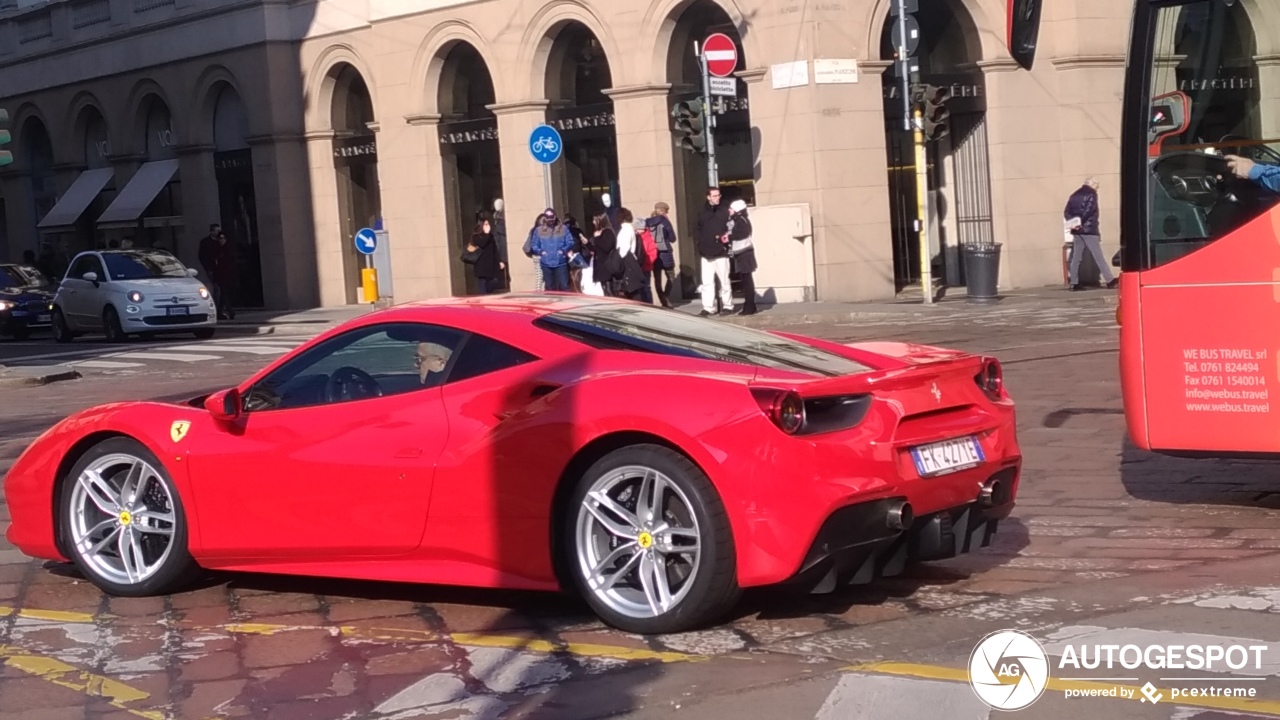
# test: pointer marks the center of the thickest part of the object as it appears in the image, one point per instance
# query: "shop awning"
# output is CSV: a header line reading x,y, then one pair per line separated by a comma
x,y
143,187
73,202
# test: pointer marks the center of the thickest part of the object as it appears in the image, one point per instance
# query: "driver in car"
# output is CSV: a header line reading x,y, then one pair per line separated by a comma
x,y
1267,176
430,358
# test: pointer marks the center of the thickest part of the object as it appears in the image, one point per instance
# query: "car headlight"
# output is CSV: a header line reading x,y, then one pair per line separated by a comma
x,y
204,293
135,297
7,305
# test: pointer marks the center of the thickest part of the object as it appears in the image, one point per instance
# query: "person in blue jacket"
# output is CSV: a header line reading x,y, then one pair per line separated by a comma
x,y
552,242
1266,176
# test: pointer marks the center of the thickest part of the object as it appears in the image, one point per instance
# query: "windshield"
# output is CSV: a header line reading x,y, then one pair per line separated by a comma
x,y
143,264
644,329
13,277
1212,134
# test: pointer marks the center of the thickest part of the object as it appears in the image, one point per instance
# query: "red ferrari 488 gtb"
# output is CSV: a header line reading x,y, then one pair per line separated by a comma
x,y
654,462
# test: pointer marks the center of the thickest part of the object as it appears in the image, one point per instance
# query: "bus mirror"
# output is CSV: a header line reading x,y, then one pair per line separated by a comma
x,y
1169,117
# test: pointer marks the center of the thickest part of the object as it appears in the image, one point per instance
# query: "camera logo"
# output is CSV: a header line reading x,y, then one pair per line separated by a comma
x,y
1008,670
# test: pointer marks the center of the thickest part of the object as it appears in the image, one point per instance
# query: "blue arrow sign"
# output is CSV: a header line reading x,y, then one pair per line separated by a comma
x,y
545,144
366,241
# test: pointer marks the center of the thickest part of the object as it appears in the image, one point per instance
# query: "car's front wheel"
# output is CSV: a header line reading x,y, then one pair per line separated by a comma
x,y
111,326
61,330
651,547
123,522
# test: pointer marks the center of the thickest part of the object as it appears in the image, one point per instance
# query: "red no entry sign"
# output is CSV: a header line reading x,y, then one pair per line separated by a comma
x,y
721,54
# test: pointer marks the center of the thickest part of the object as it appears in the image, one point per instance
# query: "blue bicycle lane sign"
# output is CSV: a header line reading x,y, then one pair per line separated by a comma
x,y
545,144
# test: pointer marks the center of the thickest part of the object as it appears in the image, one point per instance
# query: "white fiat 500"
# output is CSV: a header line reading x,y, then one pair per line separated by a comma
x,y
131,292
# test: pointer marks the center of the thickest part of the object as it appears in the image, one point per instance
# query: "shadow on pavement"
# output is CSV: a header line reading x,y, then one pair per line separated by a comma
x,y
1182,481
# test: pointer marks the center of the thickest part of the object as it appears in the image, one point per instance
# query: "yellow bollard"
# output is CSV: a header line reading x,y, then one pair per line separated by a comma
x,y
369,281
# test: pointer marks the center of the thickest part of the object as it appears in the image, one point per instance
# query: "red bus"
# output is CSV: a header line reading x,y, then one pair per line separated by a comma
x,y
1199,307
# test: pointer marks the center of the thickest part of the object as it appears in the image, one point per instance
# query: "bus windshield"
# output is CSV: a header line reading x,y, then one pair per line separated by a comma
x,y
1214,128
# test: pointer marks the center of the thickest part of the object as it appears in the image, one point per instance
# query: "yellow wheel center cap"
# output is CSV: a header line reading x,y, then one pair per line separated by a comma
x,y
645,540
125,517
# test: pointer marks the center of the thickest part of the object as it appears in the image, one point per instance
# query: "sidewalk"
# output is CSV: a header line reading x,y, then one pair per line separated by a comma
x,y
316,320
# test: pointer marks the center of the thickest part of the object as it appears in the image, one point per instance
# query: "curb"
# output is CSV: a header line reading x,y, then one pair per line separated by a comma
x,y
38,380
301,329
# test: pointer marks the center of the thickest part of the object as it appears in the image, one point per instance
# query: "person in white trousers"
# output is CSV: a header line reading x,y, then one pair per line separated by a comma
x,y
713,247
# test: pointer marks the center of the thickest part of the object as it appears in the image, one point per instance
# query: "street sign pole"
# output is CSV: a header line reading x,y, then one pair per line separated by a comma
x,y
709,122
546,185
546,146
922,209
904,65
913,121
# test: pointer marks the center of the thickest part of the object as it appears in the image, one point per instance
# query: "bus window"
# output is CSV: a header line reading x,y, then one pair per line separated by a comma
x,y
1215,129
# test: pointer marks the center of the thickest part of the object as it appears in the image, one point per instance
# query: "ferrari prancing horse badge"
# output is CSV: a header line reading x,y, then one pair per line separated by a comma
x,y
179,429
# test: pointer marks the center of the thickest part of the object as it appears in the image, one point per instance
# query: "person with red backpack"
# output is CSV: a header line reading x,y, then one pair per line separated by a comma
x,y
648,255
664,238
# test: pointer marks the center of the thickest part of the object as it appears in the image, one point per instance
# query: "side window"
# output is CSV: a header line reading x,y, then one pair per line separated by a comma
x,y
1211,108
482,355
370,362
85,264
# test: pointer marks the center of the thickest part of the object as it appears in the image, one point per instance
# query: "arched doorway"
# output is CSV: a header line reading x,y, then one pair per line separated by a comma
x,y
959,173
43,189
469,152
577,75
735,153
355,161
237,205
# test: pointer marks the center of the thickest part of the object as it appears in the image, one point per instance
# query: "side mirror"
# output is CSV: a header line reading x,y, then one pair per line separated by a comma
x,y
90,276
224,405
192,272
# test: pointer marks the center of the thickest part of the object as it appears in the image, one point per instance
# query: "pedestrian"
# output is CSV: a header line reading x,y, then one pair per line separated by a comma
x,y
552,243
632,283
606,264
527,249
742,253
1083,204
483,254
713,247
226,277
664,238
207,251
499,225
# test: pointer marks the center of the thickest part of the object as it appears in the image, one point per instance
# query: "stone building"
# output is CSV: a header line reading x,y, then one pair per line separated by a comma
x,y
294,123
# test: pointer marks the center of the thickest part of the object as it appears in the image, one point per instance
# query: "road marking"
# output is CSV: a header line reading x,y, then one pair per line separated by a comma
x,y
172,357
105,365
508,642
117,694
249,349
1268,708
50,615
872,697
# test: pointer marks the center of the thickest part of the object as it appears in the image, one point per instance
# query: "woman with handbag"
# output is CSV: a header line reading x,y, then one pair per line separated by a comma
x,y
482,256
632,283
742,254
606,264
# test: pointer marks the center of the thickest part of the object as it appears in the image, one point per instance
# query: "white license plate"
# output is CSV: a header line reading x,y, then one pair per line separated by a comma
x,y
177,311
947,456
44,318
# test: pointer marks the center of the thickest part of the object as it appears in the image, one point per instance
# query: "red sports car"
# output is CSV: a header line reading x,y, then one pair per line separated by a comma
x,y
654,462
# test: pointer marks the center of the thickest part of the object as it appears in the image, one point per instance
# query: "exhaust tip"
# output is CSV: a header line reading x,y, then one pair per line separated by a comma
x,y
990,492
900,516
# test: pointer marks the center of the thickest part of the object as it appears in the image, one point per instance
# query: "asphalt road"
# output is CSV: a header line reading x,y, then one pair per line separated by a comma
x,y
1108,544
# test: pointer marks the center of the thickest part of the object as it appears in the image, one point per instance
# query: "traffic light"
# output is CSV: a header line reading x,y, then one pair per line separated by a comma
x,y
935,112
690,126
6,157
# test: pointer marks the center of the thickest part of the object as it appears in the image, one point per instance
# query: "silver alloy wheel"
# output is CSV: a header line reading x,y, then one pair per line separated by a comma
x,y
122,518
639,546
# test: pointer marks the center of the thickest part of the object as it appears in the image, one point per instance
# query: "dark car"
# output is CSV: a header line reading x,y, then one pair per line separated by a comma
x,y
25,298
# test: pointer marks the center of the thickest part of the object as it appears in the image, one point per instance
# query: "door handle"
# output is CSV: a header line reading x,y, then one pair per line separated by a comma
x,y
409,453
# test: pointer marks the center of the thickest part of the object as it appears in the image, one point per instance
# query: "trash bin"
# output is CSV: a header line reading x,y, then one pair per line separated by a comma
x,y
982,272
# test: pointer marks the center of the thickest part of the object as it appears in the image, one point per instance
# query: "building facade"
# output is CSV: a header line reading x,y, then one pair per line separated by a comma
x,y
294,123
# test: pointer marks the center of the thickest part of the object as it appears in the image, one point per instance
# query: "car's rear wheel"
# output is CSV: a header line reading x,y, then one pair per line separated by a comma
x,y
651,547
123,521
61,330
111,325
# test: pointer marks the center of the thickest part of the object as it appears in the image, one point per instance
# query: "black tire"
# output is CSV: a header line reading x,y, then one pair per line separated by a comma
x,y
61,331
176,570
111,326
714,590
205,333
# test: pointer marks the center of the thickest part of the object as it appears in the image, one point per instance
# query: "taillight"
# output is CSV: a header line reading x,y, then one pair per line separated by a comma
x,y
991,379
784,408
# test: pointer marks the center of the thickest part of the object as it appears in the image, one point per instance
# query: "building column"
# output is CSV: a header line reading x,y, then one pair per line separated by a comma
x,y
285,187
1268,88
199,200
522,185
409,179
642,127
325,245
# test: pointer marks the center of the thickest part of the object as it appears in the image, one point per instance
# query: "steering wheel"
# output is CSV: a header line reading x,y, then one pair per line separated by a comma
x,y
349,383
1200,179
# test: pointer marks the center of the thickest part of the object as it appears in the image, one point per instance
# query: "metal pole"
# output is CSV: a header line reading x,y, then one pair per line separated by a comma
x,y
922,188
709,123
904,65
546,185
